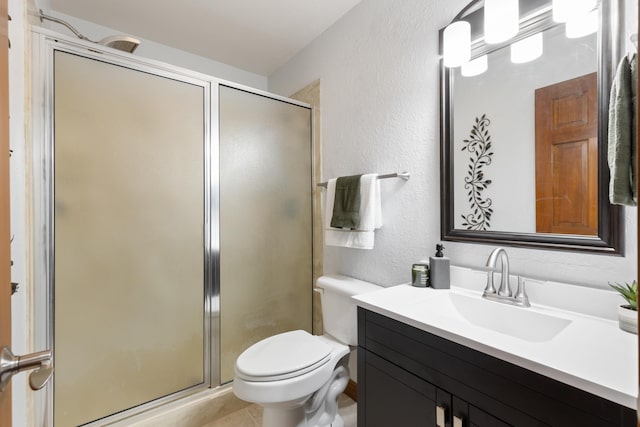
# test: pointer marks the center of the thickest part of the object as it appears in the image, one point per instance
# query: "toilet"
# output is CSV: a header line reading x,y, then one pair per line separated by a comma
x,y
297,377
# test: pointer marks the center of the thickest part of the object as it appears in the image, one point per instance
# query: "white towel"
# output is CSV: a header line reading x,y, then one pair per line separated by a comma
x,y
363,236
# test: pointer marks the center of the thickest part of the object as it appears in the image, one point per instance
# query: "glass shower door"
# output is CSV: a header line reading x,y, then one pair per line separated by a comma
x,y
265,220
129,218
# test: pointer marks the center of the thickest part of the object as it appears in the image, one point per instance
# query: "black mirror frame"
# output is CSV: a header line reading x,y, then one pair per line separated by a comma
x,y
610,238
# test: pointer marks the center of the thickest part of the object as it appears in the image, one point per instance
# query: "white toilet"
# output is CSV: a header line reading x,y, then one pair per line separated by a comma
x,y
297,377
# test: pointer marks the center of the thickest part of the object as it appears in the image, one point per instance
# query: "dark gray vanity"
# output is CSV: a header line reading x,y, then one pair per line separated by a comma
x,y
409,377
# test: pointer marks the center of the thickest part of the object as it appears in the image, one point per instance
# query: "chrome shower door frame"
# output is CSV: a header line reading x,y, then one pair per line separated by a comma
x,y
44,45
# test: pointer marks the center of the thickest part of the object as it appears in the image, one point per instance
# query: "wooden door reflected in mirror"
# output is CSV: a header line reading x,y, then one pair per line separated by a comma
x,y
566,117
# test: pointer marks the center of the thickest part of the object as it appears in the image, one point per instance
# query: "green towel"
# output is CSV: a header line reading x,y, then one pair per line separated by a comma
x,y
622,134
346,205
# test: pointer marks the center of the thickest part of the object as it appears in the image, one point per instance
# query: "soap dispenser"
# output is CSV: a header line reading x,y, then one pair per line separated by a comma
x,y
439,269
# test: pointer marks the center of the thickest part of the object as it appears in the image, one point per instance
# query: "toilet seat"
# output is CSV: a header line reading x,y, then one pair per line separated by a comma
x,y
283,356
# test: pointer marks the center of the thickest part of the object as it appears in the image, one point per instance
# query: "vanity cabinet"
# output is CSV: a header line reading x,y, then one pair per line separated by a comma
x,y
397,397
408,377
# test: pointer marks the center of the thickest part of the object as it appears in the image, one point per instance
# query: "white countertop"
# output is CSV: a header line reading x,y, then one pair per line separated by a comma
x,y
591,353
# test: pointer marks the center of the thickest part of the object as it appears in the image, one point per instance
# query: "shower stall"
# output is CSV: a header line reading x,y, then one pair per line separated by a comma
x,y
173,228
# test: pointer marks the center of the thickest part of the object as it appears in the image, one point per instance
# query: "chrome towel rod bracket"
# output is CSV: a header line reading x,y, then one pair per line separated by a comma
x,y
402,175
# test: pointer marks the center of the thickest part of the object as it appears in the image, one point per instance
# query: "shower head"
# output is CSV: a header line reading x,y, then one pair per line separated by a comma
x,y
124,43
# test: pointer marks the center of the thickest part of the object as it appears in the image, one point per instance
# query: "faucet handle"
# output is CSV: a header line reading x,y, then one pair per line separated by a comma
x,y
521,293
490,288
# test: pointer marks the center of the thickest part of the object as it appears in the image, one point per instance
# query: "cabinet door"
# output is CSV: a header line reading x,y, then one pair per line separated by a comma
x,y
393,396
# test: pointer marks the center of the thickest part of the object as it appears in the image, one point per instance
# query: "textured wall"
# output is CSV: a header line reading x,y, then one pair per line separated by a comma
x,y
378,68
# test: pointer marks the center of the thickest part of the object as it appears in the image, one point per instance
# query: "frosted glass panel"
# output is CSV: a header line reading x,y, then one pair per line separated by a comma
x,y
265,221
129,209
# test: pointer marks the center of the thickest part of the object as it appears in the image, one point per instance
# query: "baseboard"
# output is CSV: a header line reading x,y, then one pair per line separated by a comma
x,y
352,390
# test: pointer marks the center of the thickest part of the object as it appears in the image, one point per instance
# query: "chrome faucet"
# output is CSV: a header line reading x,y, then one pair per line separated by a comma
x,y
504,294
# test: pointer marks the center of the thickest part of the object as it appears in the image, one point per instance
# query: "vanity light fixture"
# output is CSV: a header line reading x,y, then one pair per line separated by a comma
x,y
567,10
501,20
582,25
475,67
527,49
456,44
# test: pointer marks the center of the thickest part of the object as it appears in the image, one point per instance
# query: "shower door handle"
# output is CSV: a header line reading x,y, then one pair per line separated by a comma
x,y
11,365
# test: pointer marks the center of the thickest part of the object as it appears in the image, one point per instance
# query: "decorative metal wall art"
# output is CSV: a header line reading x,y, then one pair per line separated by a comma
x,y
479,148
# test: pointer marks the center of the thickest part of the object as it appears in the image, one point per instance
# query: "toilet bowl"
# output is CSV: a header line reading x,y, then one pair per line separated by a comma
x,y
297,377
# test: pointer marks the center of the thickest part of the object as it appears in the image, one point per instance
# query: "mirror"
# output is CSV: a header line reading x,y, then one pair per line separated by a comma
x,y
524,145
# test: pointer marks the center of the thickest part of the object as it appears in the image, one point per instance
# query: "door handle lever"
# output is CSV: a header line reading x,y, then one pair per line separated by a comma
x,y
11,365
40,377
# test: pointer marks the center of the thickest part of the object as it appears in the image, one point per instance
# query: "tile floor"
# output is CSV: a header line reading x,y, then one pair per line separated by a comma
x,y
251,416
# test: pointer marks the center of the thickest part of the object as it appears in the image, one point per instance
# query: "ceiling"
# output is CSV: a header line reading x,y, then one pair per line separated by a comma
x,y
254,35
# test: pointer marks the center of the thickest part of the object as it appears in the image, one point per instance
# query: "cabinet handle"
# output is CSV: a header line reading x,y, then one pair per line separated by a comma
x,y
458,422
441,414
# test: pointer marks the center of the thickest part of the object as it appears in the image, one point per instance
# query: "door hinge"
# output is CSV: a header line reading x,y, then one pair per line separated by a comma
x,y
14,285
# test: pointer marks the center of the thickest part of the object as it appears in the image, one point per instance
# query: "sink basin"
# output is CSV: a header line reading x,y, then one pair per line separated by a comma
x,y
518,322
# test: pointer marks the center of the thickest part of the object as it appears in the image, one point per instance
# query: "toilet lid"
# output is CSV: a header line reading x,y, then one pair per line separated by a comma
x,y
282,356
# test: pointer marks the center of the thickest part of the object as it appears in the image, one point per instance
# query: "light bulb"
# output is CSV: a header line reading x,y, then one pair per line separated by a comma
x,y
456,44
582,25
501,20
475,67
527,49
566,10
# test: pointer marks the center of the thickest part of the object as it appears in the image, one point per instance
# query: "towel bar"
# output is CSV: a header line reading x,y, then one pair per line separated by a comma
x,y
402,175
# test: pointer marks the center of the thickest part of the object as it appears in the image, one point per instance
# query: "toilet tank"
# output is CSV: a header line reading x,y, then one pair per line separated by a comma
x,y
339,313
